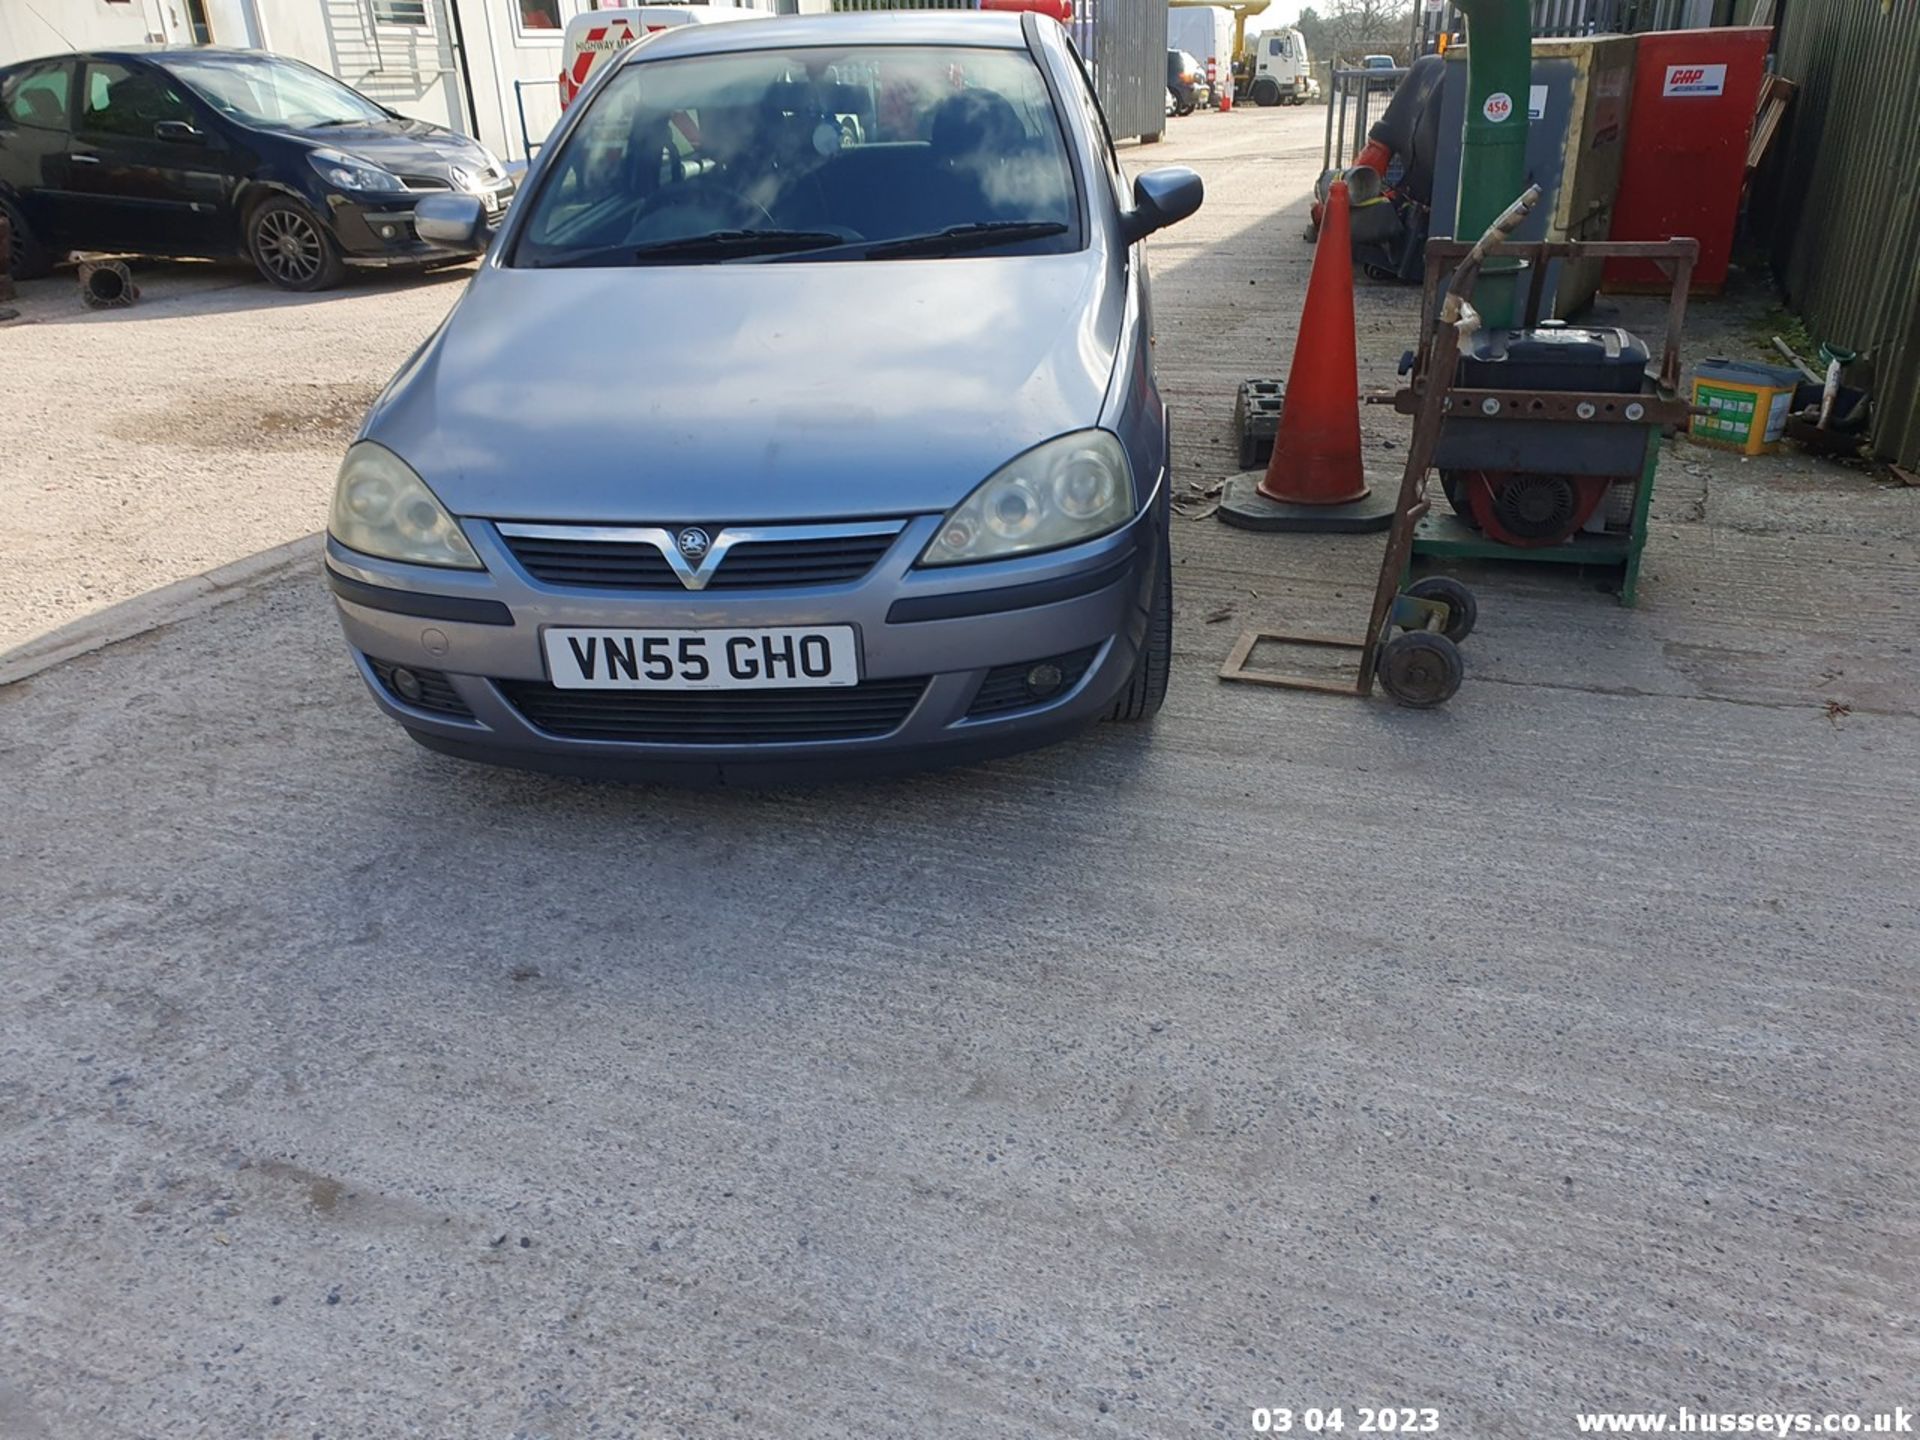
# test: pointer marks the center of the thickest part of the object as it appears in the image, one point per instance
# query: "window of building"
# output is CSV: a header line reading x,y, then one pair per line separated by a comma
x,y
411,13
538,17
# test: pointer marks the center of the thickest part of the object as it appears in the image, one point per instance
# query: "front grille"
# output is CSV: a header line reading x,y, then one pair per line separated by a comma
x,y
436,691
748,565
424,182
1006,687
722,717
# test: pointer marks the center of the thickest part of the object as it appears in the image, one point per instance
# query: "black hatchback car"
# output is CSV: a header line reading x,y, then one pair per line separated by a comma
x,y
207,152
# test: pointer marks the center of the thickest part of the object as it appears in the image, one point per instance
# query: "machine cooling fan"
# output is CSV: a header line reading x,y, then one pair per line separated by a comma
x,y
1523,509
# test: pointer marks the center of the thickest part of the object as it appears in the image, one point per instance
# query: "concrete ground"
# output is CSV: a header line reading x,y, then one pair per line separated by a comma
x,y
1549,1052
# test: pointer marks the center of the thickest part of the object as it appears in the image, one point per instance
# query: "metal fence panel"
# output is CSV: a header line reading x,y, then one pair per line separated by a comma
x,y
1124,43
1842,204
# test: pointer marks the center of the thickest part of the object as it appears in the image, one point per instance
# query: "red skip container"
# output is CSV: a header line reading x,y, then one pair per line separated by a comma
x,y
1694,93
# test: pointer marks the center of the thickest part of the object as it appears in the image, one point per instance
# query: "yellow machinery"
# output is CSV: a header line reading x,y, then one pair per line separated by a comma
x,y
1243,10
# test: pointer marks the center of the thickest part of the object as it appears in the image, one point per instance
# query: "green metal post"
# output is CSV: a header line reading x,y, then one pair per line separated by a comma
x,y
1493,155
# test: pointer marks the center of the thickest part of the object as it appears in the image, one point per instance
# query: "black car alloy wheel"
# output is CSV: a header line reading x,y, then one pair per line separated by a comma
x,y
291,249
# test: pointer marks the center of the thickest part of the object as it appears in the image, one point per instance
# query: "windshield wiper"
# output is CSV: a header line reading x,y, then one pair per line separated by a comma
x,y
956,238
729,244
713,245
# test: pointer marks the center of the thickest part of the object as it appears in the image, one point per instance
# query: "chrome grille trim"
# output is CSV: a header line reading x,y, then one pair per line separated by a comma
x,y
664,541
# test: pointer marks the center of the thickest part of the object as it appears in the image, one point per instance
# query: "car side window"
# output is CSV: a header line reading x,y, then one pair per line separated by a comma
x,y
36,95
117,100
1097,126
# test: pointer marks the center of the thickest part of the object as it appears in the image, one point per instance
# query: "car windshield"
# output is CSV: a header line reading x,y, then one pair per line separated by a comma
x,y
279,94
871,153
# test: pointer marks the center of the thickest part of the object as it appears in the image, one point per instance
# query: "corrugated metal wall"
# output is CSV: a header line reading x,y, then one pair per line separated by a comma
x,y
1842,203
1124,43
1580,17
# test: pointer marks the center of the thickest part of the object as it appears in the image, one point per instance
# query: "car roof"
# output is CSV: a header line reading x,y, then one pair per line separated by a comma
x,y
154,52
997,29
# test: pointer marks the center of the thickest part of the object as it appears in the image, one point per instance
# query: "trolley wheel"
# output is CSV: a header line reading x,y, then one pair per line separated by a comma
x,y
1420,669
1462,608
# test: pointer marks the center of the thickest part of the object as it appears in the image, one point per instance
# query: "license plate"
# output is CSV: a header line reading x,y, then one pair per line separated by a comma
x,y
490,202
785,658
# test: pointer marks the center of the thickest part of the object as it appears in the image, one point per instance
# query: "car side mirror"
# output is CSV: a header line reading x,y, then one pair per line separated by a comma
x,y
455,221
178,132
1161,198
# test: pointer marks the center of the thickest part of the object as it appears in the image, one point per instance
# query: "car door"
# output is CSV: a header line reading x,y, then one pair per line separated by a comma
x,y
148,172
35,115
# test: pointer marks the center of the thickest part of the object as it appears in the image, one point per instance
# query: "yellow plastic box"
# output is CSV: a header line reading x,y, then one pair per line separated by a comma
x,y
1747,404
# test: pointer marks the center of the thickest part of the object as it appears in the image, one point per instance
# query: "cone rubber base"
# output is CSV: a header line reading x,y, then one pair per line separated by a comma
x,y
1244,507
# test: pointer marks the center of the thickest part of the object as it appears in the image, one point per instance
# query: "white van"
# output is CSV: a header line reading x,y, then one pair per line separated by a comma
x,y
595,34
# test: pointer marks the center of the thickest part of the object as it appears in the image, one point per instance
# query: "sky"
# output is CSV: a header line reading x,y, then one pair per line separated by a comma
x,y
1279,13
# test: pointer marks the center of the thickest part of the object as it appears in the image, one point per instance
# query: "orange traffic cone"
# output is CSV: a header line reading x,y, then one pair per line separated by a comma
x,y
1315,479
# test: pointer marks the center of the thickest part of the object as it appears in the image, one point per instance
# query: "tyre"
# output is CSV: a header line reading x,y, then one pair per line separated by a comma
x,y
1266,92
1148,686
1420,669
26,257
291,248
1462,609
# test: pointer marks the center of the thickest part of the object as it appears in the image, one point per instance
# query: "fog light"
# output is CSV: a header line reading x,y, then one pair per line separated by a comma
x,y
387,232
1044,679
406,685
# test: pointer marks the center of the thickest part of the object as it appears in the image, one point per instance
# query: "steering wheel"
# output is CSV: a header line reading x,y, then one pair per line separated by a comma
x,y
730,210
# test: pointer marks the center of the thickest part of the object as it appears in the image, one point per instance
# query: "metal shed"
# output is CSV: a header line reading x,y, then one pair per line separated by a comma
x,y
1124,43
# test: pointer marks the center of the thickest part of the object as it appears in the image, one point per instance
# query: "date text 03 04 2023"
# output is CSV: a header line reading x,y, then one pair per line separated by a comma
x,y
1338,1419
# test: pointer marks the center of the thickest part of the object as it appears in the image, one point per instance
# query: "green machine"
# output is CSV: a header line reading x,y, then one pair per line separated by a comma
x,y
1550,434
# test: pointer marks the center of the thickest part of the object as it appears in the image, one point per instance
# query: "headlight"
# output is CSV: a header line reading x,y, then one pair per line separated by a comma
x,y
380,507
1059,493
350,173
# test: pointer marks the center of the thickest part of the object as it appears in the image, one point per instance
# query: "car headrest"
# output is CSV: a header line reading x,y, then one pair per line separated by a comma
x,y
848,100
43,109
979,123
789,97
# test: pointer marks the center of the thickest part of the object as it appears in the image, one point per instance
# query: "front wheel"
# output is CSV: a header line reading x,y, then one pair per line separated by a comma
x,y
292,249
1147,688
1266,93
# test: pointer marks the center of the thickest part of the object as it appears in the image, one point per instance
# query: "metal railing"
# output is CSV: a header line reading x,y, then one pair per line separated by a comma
x,y
520,87
1350,94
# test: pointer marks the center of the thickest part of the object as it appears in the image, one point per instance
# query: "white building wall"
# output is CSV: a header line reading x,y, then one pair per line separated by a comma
x,y
48,27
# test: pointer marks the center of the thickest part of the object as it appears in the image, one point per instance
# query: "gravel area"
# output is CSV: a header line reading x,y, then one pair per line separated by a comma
x,y
202,424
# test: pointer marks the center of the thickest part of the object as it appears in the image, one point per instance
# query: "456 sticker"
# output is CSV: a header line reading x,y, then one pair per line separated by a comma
x,y
1498,106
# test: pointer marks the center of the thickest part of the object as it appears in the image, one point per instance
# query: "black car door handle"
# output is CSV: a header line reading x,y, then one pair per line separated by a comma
x,y
80,158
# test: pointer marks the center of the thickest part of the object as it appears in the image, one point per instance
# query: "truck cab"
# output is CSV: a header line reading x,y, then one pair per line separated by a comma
x,y
1282,70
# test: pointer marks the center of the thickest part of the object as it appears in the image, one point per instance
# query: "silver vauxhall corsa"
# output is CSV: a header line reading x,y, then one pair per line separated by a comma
x,y
801,416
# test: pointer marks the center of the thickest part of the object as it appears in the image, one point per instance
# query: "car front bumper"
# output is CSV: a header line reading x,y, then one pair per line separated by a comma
x,y
934,645
377,231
